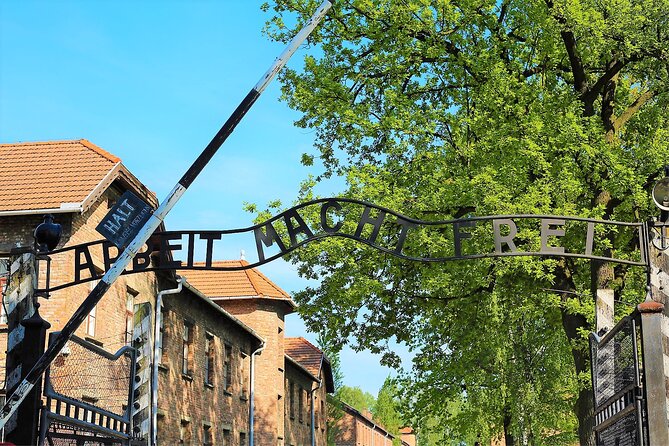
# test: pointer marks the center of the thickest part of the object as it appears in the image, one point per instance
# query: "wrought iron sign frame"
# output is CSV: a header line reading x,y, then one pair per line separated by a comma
x,y
294,232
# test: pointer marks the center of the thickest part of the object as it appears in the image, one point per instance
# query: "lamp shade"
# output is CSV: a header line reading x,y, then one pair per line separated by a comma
x,y
661,194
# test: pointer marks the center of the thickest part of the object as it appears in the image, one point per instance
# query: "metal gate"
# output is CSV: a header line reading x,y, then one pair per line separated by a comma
x,y
89,396
617,378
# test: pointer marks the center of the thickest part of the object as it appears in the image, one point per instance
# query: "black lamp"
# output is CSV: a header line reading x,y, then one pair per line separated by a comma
x,y
47,234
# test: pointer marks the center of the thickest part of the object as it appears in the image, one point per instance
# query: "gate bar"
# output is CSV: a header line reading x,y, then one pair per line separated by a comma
x,y
15,399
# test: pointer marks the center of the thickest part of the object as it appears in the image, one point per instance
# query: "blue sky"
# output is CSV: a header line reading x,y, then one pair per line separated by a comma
x,y
152,82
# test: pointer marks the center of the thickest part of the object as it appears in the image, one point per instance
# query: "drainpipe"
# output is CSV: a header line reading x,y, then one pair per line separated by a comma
x,y
252,394
156,358
313,416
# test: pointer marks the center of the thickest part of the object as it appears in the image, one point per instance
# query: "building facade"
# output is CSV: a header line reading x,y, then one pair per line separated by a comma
x,y
356,428
293,376
221,366
203,372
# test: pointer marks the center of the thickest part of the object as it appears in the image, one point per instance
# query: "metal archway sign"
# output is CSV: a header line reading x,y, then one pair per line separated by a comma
x,y
376,226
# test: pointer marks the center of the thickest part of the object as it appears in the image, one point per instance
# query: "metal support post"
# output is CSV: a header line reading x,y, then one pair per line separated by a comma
x,y
653,369
28,412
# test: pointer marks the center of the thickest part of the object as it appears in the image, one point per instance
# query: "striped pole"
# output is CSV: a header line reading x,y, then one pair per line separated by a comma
x,y
15,399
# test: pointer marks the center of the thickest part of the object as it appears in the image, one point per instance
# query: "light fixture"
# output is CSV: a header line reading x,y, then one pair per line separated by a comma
x,y
47,234
661,191
661,198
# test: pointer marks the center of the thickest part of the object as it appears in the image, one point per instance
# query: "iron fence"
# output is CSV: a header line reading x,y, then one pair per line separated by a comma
x,y
618,386
89,396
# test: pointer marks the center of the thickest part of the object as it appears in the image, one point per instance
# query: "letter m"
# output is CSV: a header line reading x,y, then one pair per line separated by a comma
x,y
268,238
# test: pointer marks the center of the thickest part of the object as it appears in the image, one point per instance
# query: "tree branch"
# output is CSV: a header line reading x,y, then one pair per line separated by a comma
x,y
633,108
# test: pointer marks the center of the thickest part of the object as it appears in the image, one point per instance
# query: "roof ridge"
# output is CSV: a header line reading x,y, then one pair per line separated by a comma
x,y
214,262
306,341
41,143
255,286
89,145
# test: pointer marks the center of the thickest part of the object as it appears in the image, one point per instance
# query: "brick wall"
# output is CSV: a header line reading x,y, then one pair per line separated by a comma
x,y
266,317
355,430
110,313
297,423
190,404
298,428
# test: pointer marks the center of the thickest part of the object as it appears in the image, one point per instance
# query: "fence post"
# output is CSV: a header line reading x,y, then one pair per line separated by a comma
x,y
653,369
35,331
23,342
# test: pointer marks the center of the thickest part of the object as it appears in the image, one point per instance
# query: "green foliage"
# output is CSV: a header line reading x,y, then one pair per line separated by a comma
x,y
356,398
441,109
386,410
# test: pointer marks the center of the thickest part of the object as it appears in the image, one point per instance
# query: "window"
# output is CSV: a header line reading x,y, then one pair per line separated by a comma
x,y
209,359
90,322
242,439
160,339
227,367
292,400
323,414
91,318
301,404
316,413
245,361
184,432
207,439
226,437
187,338
129,311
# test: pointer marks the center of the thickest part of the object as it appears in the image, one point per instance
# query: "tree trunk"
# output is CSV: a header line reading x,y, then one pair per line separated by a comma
x,y
583,408
572,323
509,440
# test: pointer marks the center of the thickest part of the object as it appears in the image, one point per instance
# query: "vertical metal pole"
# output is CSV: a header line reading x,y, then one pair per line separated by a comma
x,y
638,399
653,369
131,393
156,218
28,413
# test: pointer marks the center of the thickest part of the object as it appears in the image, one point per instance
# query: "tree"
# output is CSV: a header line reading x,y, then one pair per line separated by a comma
x,y
356,398
450,108
386,411
327,344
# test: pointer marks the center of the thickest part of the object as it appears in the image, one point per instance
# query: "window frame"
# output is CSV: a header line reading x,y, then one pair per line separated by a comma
x,y
209,360
129,314
187,348
227,367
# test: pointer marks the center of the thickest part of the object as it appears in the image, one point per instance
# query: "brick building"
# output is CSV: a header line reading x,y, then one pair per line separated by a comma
x,y
204,366
408,436
205,347
356,428
293,376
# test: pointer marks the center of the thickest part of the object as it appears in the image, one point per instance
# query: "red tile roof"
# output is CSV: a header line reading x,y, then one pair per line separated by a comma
x,y
58,176
305,353
309,357
234,284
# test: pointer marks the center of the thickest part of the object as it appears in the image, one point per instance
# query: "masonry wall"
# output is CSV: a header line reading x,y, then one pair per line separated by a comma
x,y
188,404
109,331
266,317
355,430
346,430
298,423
